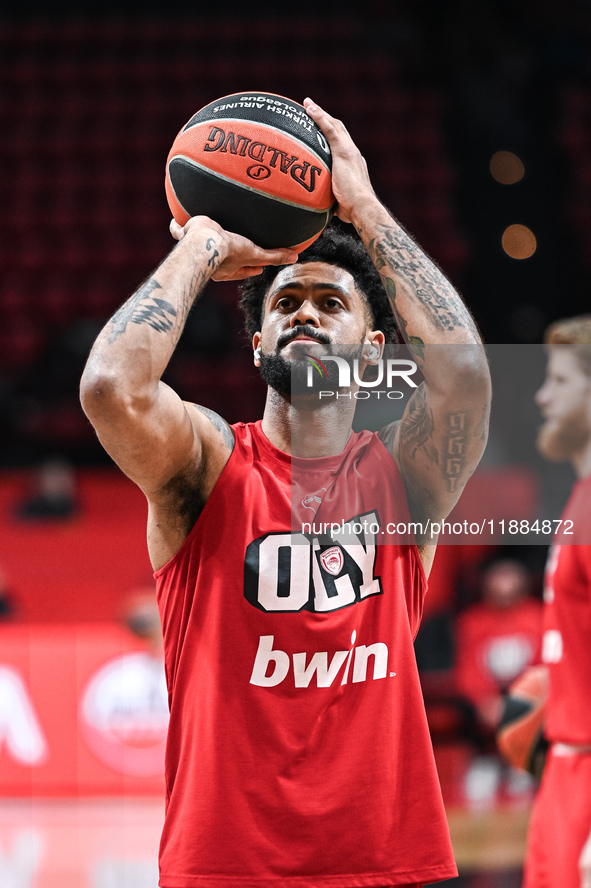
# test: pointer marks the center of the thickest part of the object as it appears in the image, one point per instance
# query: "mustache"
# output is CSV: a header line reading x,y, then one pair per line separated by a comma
x,y
304,330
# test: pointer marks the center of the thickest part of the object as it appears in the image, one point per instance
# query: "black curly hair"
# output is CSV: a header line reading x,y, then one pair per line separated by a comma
x,y
334,247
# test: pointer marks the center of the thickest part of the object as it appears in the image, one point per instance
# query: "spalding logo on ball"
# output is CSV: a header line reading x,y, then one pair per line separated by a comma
x,y
258,165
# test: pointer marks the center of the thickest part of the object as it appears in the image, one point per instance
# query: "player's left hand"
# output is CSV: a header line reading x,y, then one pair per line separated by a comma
x,y
585,864
350,178
237,256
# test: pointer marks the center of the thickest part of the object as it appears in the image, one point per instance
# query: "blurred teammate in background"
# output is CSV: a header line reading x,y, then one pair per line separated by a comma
x,y
559,841
497,638
298,751
53,496
6,597
142,618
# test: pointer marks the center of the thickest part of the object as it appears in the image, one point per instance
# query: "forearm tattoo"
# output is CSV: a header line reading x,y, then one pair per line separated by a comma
x,y
444,440
395,251
145,307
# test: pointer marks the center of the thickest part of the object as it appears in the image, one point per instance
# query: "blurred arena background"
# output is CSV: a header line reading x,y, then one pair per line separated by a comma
x,y
475,119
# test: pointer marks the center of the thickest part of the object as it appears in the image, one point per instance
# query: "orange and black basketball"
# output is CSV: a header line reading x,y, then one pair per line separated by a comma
x,y
258,165
520,736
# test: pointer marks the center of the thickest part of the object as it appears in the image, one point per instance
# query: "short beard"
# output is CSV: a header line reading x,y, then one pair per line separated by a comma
x,y
289,378
276,372
562,441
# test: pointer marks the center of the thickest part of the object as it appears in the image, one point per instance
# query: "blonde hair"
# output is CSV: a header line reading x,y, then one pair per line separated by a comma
x,y
576,332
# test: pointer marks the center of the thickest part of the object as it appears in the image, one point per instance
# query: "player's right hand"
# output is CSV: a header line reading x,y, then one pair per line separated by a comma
x,y
230,256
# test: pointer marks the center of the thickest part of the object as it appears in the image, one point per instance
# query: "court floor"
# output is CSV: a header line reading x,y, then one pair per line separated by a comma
x,y
101,843
113,843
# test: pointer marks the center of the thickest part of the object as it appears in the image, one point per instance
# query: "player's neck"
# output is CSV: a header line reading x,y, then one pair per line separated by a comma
x,y
307,430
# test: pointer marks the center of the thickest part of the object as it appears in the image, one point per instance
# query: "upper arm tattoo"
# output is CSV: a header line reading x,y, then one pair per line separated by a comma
x,y
416,430
416,433
185,490
220,424
456,445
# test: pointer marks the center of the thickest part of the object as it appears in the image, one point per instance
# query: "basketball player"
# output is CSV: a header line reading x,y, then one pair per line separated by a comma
x,y
298,751
559,841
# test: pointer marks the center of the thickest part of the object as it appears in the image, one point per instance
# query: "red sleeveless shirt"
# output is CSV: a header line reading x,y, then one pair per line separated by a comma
x,y
298,750
567,623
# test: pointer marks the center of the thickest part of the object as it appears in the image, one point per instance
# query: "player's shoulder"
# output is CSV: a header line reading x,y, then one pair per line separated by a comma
x,y
214,444
211,426
177,505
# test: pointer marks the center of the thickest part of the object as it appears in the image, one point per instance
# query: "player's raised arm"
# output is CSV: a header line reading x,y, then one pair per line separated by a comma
x,y
146,428
443,431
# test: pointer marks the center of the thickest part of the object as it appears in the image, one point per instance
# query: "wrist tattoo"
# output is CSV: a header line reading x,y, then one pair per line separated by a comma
x,y
210,246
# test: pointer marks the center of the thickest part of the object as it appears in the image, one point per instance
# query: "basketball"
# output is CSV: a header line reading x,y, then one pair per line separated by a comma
x,y
520,736
258,165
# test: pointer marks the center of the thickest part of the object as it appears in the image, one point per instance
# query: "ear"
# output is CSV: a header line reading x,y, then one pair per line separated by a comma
x,y
256,348
373,346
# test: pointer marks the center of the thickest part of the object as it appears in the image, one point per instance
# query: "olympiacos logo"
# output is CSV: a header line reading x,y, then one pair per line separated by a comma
x,y
332,560
124,715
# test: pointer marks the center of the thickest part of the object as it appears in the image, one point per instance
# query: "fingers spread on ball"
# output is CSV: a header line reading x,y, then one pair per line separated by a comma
x,y
324,120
